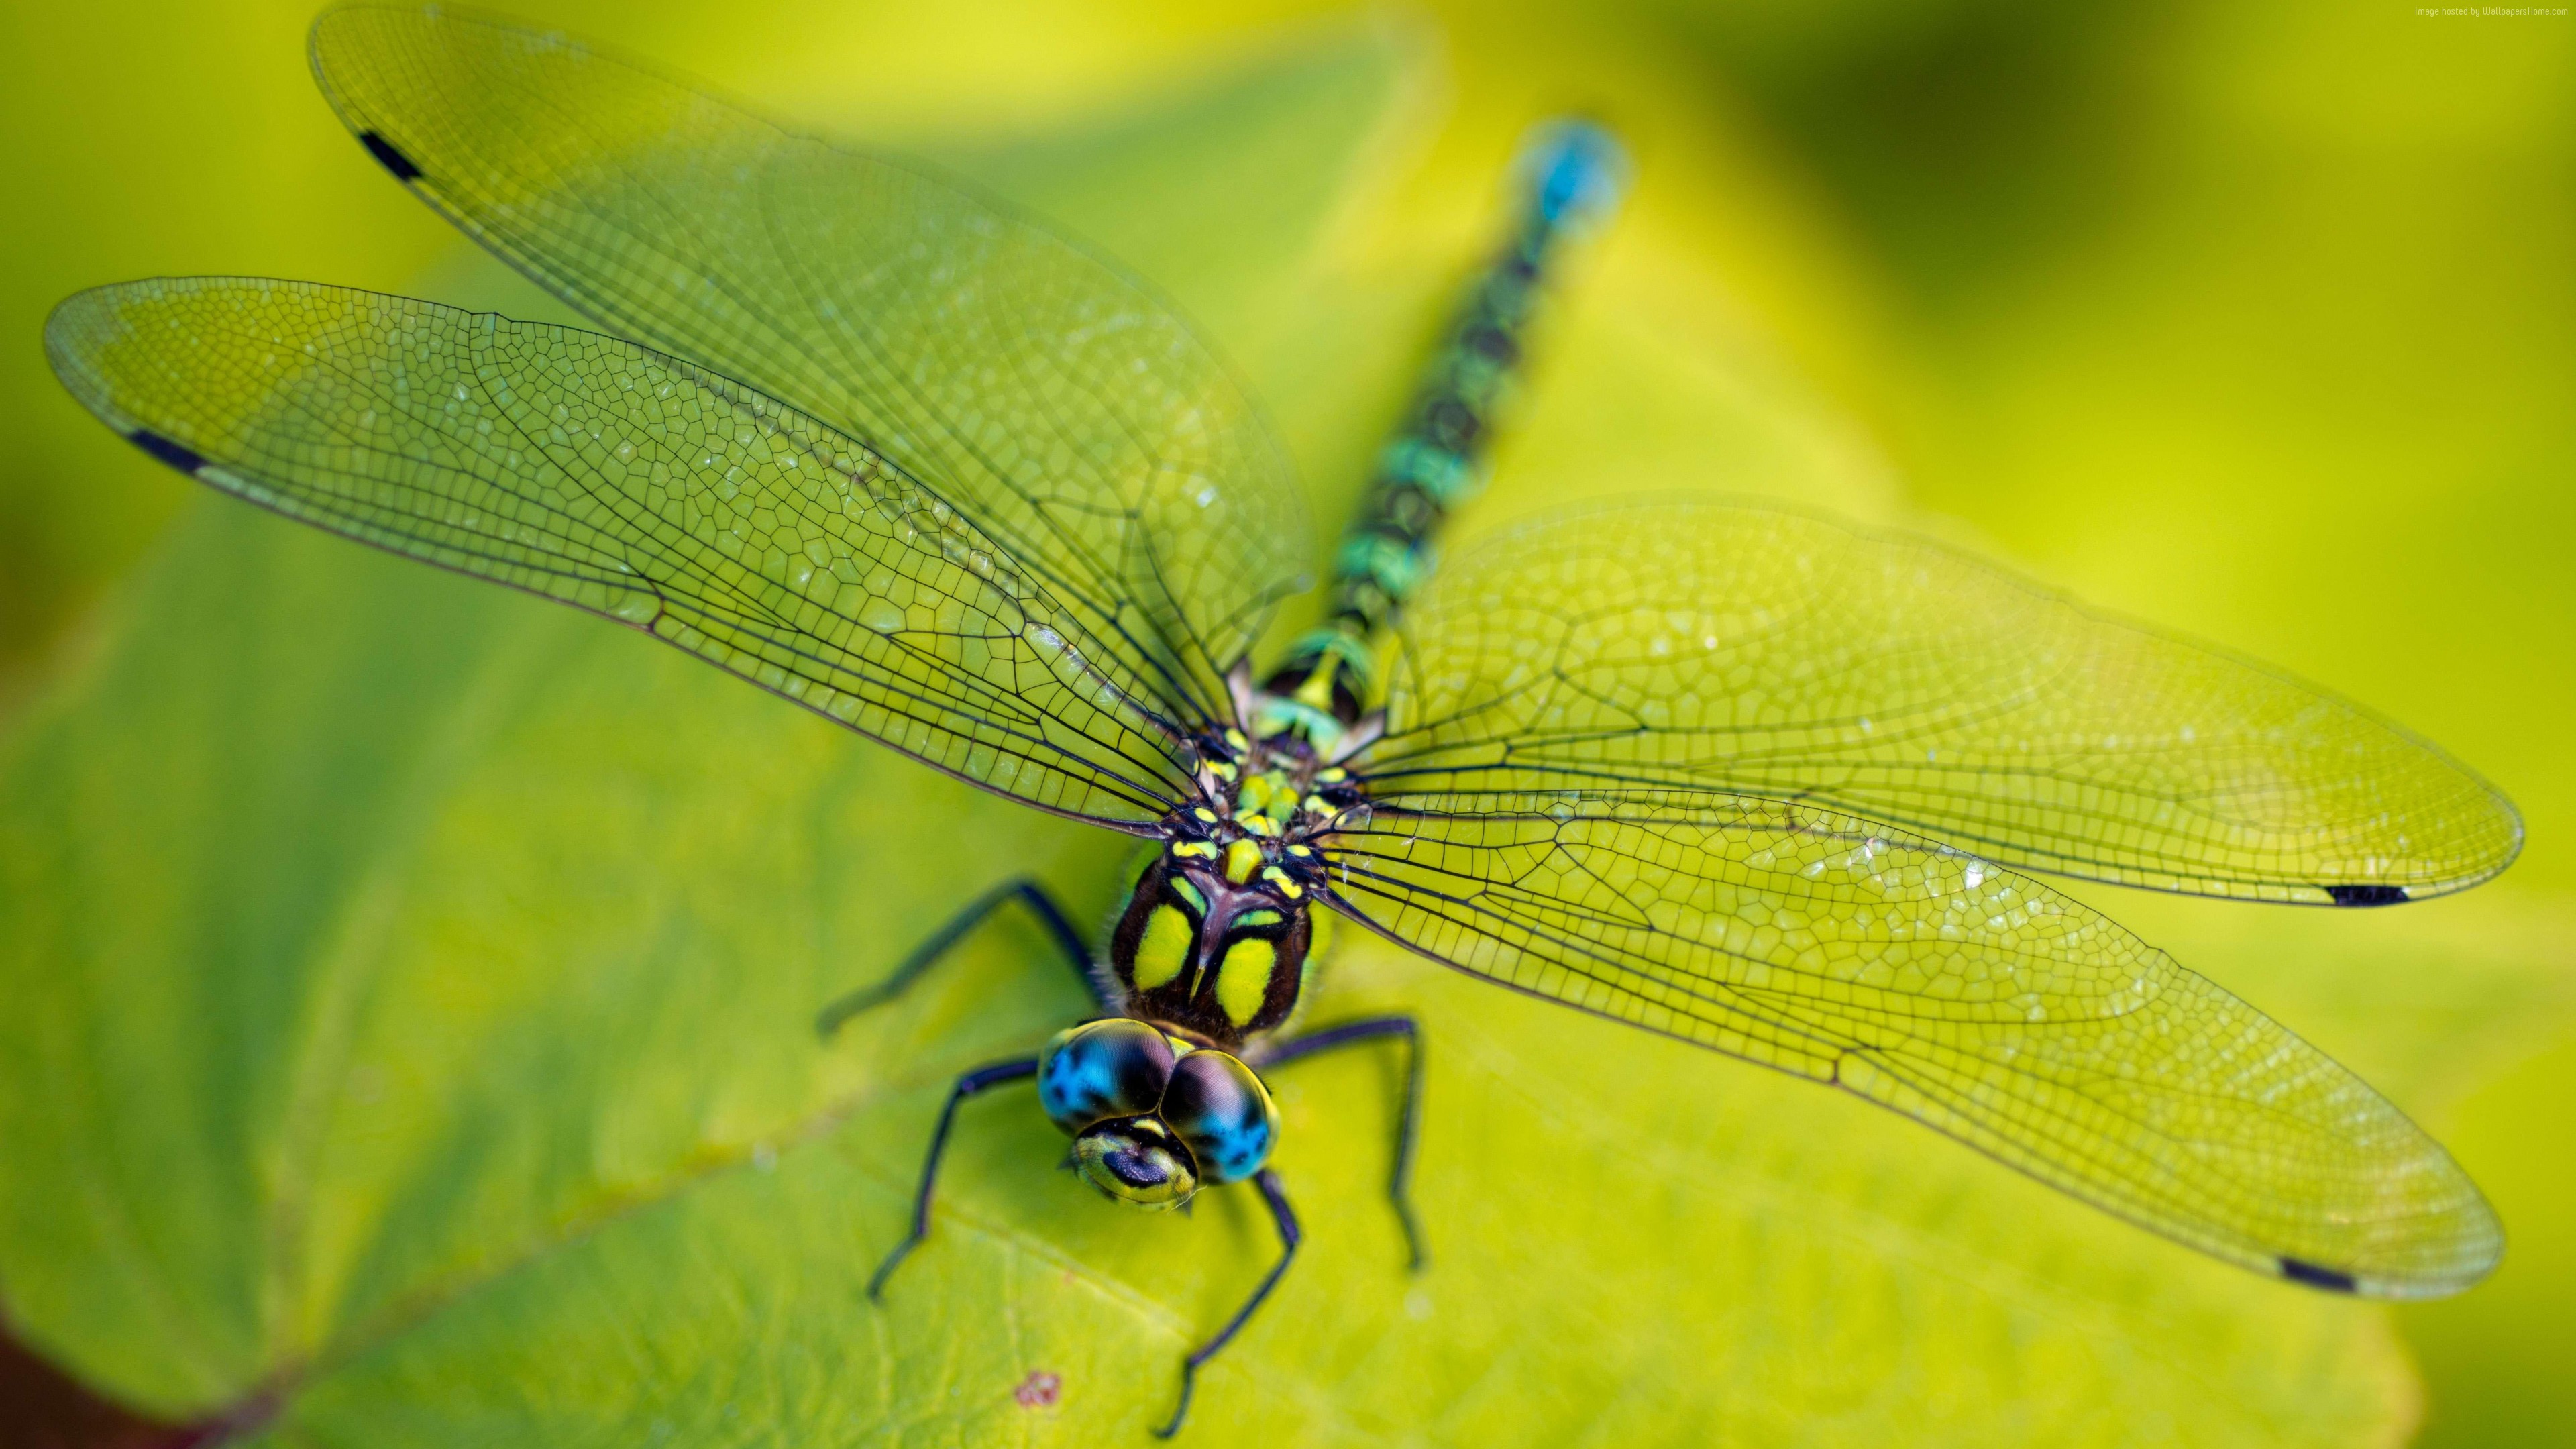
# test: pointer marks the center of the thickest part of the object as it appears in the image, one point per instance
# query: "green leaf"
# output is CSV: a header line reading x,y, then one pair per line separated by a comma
x,y
405,992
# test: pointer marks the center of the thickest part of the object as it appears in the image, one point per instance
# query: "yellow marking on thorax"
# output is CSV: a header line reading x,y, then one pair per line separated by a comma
x,y
1165,949
1254,796
1243,980
1242,858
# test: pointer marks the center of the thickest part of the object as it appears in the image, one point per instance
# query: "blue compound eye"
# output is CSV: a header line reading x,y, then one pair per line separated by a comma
x,y
1222,1113
1101,1069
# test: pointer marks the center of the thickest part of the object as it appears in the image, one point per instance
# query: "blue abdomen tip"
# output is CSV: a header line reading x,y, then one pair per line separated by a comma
x,y
1577,170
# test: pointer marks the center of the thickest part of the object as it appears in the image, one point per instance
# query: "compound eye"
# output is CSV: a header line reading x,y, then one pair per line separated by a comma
x,y
1136,1160
1102,1069
1222,1113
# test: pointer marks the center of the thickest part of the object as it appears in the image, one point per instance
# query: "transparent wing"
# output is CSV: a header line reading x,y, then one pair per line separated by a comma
x,y
1970,998
1071,413
1776,654
637,486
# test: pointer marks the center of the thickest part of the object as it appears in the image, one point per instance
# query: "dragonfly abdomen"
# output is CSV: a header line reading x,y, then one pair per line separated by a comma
x,y
1436,459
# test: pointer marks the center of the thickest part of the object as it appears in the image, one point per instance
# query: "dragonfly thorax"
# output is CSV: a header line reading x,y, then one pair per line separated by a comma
x,y
1278,789
1215,936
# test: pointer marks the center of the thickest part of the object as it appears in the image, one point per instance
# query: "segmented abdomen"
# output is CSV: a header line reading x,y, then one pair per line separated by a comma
x,y
1573,171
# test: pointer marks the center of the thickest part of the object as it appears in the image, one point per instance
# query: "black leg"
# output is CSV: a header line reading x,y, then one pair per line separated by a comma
x,y
967,1086
1025,889
1399,1187
1268,1182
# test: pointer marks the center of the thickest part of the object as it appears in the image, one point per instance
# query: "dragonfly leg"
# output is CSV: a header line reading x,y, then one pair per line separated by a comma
x,y
1280,1214
1025,890
1399,1187
967,1086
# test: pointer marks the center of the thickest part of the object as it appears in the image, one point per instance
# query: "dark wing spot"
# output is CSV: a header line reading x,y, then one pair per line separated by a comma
x,y
168,452
388,155
2300,1270
2367,895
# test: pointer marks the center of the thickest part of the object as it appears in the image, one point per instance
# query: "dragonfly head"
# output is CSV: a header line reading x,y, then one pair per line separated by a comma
x,y
1154,1117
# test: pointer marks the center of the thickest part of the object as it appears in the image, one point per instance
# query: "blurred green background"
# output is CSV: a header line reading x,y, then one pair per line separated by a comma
x,y
2255,320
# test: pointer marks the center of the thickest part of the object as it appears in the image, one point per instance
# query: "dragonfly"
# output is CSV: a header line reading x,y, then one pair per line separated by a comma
x,y
1737,774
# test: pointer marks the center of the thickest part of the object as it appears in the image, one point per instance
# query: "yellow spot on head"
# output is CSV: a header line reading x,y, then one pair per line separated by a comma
x,y
1242,858
1243,981
1165,949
